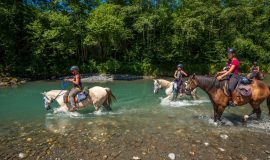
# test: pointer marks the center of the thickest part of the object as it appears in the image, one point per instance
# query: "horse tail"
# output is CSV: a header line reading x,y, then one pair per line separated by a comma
x,y
268,102
111,97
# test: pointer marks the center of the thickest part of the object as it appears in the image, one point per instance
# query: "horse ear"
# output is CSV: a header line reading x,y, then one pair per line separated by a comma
x,y
44,93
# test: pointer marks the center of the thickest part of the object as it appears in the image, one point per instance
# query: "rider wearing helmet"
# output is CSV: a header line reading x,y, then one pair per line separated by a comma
x,y
231,73
77,86
254,70
178,77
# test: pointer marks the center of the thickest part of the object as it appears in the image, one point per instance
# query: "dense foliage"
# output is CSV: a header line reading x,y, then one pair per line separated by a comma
x,y
45,37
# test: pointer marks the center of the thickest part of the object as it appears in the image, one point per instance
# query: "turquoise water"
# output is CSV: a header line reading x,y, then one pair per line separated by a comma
x,y
25,103
141,124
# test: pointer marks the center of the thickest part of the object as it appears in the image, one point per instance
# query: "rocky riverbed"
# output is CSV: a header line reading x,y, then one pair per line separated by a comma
x,y
109,139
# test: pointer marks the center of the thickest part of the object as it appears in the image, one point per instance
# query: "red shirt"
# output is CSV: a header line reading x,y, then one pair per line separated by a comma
x,y
235,62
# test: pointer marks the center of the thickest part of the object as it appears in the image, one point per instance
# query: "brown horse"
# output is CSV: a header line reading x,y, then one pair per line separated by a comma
x,y
215,91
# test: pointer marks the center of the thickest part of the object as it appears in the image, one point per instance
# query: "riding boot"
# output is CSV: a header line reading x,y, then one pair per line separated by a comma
x,y
230,103
72,103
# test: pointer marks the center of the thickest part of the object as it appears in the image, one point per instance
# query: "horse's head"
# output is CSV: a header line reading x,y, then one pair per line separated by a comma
x,y
47,101
259,76
157,86
191,84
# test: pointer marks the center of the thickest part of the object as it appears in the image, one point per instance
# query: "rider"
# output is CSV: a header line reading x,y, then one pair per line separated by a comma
x,y
77,86
178,77
254,70
231,73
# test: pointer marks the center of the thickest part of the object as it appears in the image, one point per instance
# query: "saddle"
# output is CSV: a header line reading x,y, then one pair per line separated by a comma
x,y
242,88
79,97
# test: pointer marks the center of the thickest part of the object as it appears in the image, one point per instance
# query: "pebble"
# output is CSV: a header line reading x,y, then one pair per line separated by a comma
x,y
221,149
206,144
192,153
268,152
22,155
29,139
224,136
105,157
136,158
244,157
171,156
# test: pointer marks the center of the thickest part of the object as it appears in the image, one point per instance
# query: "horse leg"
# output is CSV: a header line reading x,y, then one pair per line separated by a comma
x,y
194,94
256,109
268,104
258,113
220,111
215,112
107,106
97,107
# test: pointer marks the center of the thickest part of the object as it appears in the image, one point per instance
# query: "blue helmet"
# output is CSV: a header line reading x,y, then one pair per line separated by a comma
x,y
74,68
231,50
180,65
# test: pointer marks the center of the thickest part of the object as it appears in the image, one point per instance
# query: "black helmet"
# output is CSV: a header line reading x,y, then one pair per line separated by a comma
x,y
231,50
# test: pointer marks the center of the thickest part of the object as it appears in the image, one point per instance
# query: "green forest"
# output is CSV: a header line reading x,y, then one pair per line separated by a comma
x,y
142,37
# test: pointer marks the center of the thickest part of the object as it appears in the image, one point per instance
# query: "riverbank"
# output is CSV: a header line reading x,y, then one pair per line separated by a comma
x,y
88,78
8,81
11,81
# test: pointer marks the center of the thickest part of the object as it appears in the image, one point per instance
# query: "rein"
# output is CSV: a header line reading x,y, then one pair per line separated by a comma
x,y
57,96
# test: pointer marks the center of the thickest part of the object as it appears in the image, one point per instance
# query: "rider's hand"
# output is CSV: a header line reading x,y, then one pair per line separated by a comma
x,y
219,78
66,80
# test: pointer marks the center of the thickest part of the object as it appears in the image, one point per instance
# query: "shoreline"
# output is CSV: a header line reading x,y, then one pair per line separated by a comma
x,y
10,81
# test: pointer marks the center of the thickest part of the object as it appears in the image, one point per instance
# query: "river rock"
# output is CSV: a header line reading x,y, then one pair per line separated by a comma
x,y
221,149
22,155
267,152
29,139
136,158
224,136
171,156
206,144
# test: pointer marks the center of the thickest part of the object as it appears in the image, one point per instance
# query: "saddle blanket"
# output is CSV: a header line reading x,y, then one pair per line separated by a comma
x,y
244,90
78,98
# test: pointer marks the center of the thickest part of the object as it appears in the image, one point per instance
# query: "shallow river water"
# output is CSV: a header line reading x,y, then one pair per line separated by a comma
x,y
141,126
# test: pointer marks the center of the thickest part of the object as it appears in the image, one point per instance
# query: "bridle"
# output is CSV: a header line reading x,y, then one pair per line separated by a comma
x,y
49,100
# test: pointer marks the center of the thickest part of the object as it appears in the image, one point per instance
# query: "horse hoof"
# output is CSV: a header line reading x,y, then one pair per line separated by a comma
x,y
245,117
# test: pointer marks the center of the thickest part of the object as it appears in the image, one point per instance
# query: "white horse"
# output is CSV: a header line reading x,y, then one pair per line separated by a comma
x,y
168,86
98,96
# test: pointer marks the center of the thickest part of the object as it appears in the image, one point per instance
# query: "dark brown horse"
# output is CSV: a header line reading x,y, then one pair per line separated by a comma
x,y
215,91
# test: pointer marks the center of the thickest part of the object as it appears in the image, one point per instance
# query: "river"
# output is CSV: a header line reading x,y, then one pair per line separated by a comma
x,y
139,127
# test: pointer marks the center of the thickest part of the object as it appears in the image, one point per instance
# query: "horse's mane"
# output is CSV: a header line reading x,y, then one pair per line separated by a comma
x,y
211,82
165,82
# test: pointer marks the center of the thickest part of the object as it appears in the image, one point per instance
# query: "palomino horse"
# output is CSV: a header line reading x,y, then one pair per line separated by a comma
x,y
214,89
168,86
98,96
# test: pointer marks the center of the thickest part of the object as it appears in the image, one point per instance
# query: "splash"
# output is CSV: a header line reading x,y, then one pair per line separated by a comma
x,y
263,124
182,103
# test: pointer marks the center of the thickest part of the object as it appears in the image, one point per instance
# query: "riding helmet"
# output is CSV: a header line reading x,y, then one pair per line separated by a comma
x,y
74,68
231,50
180,65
